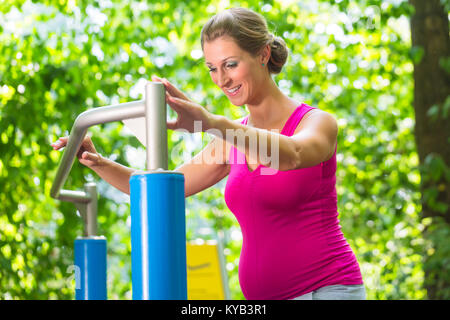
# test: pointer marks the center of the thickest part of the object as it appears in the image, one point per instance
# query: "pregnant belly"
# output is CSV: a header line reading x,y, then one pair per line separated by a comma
x,y
272,270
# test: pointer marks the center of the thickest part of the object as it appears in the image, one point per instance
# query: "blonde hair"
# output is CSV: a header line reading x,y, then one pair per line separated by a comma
x,y
249,30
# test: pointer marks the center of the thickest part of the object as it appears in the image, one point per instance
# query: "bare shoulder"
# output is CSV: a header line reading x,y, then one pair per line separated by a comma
x,y
319,128
318,119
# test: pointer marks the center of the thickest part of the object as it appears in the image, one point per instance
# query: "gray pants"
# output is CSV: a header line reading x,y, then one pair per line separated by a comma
x,y
336,292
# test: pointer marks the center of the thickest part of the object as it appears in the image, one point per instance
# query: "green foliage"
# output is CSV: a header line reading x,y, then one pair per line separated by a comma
x,y
60,58
435,177
437,261
446,5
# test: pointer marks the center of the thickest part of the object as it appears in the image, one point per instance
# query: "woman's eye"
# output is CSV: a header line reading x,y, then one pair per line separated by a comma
x,y
228,66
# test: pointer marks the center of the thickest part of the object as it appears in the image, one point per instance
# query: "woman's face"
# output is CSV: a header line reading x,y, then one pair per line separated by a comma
x,y
235,71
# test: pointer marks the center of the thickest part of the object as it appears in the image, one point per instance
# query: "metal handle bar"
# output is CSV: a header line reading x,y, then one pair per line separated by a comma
x,y
85,120
153,108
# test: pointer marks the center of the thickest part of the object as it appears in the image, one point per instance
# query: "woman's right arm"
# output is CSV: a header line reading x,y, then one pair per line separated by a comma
x,y
112,172
206,169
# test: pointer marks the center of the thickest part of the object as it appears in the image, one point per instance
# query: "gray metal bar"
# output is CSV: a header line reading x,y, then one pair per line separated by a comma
x,y
74,196
90,225
154,110
85,120
86,205
155,117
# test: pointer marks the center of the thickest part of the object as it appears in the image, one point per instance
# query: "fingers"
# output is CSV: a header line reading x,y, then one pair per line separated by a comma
x,y
90,159
182,105
88,145
172,125
89,156
170,87
175,103
156,78
178,102
60,143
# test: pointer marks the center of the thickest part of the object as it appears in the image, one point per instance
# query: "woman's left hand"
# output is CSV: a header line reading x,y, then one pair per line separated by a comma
x,y
191,116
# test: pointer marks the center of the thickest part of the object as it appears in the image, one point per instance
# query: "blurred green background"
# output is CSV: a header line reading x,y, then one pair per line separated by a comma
x,y
353,59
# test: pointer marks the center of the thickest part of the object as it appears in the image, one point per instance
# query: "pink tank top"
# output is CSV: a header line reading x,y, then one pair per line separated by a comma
x,y
292,241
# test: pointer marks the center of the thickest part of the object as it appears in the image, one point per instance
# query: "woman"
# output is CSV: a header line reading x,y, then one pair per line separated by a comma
x,y
293,247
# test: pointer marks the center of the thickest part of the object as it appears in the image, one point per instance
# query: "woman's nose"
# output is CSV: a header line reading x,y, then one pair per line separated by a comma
x,y
222,79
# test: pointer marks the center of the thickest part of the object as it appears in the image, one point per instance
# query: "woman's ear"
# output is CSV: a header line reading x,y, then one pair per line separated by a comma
x,y
265,54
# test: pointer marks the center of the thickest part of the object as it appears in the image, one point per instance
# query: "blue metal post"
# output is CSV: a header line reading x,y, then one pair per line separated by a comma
x,y
158,236
90,264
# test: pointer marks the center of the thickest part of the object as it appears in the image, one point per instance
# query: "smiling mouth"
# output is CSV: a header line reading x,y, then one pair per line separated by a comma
x,y
234,90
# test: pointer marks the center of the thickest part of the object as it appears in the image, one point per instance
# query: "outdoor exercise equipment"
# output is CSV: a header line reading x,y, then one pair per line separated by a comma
x,y
158,227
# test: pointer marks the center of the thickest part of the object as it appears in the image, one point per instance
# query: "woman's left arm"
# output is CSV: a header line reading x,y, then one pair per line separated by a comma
x,y
317,139
313,144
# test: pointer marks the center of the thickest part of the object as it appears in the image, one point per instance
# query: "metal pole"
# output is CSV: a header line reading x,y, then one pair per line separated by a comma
x,y
89,250
91,210
90,261
158,236
155,118
158,228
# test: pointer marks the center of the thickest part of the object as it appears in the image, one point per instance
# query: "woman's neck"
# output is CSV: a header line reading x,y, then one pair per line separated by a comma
x,y
271,108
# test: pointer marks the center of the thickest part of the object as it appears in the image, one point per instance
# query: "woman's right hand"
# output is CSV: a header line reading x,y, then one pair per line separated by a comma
x,y
87,154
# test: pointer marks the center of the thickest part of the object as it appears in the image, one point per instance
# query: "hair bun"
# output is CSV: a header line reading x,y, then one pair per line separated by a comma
x,y
273,40
279,54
